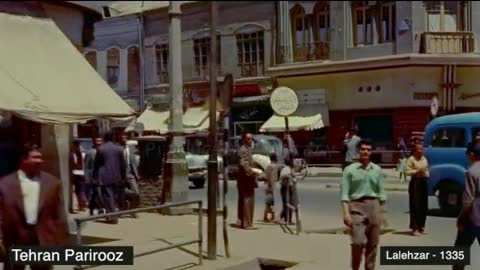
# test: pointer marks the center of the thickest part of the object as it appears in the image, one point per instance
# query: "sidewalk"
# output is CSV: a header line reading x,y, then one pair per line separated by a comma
x,y
331,176
311,251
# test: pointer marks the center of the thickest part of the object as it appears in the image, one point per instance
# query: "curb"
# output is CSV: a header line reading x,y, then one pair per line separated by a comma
x,y
337,186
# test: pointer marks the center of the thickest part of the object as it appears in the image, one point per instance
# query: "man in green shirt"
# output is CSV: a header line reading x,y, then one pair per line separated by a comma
x,y
363,198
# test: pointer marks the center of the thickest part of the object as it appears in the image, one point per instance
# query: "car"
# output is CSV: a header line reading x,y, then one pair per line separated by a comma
x,y
445,143
85,145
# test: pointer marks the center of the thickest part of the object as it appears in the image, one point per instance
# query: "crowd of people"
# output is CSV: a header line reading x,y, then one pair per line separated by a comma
x,y
106,180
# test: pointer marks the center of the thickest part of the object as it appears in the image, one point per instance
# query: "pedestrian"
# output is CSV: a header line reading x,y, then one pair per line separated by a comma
x,y
288,191
78,175
93,187
350,144
110,169
417,168
32,209
402,148
271,173
131,183
246,184
468,222
363,201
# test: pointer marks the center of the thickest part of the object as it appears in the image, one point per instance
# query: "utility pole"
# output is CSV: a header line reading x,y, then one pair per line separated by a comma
x,y
175,181
213,158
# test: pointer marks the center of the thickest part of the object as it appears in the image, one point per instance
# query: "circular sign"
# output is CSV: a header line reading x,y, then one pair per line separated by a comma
x,y
284,101
434,106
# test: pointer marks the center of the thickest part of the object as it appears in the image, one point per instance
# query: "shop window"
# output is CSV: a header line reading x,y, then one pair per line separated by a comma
x,y
449,138
378,128
250,48
161,54
113,66
201,49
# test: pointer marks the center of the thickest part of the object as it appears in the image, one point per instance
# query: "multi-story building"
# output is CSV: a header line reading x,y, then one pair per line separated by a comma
x,y
373,64
378,64
245,43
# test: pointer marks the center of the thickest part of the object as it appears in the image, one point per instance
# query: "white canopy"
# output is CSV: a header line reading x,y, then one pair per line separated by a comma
x,y
277,123
44,78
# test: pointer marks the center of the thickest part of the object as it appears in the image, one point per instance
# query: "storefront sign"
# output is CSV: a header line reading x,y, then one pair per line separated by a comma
x,y
249,114
284,101
423,95
311,96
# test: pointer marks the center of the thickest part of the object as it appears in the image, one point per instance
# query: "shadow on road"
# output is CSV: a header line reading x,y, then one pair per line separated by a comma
x,y
438,213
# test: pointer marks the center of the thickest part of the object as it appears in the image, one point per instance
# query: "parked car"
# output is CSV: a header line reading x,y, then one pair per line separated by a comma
x,y
445,141
85,145
196,154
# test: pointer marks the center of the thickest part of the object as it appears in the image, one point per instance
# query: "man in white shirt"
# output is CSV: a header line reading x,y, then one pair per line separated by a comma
x,y
31,207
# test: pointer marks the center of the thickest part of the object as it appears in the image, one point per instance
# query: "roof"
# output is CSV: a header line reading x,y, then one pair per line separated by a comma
x,y
461,118
123,8
50,82
91,5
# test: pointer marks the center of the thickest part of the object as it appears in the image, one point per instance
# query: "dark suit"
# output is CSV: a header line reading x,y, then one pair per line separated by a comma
x,y
246,184
110,171
94,191
51,228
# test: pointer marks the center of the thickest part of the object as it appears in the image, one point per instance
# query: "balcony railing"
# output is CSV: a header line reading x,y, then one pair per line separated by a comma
x,y
314,51
447,42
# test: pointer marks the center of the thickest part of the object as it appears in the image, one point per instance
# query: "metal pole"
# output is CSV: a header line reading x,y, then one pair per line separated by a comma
x,y
287,213
213,160
141,54
200,233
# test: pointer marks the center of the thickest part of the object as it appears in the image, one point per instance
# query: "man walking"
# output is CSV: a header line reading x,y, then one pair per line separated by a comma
x,y
350,144
246,184
31,208
94,192
131,189
468,223
363,198
109,169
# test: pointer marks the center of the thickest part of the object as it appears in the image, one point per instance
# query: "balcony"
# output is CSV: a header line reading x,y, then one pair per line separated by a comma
x,y
315,51
447,42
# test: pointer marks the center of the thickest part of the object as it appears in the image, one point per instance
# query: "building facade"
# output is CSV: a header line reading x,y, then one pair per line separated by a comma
x,y
380,63
371,64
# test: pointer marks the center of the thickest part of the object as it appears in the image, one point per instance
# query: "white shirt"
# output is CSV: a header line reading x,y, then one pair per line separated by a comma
x,y
31,195
126,152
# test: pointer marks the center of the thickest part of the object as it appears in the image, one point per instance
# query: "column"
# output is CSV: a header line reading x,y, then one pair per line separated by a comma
x,y
284,33
122,85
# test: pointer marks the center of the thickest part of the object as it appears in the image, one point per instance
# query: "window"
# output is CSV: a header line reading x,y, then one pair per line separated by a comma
x,y
445,16
250,48
475,133
301,27
113,63
201,49
449,138
133,67
373,22
92,59
378,128
161,54
321,30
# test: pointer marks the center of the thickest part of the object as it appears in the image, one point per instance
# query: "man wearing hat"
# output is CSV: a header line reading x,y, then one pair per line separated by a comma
x,y
468,222
350,144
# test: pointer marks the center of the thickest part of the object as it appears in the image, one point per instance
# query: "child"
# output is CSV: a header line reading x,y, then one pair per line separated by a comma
x,y
271,173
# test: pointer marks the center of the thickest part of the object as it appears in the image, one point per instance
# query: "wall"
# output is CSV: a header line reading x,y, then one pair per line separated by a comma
x,y
397,87
69,20
476,24
467,77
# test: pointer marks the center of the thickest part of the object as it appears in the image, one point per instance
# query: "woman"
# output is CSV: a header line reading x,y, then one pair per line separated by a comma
x,y
402,148
417,168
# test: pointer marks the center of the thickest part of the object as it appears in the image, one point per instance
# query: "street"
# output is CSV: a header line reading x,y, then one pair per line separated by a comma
x,y
321,212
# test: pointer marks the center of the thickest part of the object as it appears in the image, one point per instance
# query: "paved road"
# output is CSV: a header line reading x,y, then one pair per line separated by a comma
x,y
320,210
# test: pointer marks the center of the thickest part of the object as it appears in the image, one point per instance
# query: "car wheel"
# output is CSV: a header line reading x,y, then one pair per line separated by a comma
x,y
199,182
450,198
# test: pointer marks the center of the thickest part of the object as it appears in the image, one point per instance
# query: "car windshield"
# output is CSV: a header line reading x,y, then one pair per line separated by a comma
x,y
85,145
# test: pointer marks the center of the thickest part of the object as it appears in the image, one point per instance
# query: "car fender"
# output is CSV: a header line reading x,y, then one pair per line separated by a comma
x,y
440,173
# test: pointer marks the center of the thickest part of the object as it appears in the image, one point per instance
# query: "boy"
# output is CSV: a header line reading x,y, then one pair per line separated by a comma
x,y
271,173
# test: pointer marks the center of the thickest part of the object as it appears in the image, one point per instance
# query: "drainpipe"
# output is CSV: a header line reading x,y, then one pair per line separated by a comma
x,y
141,55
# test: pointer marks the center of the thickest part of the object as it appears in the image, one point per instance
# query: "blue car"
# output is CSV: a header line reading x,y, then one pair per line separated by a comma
x,y
445,142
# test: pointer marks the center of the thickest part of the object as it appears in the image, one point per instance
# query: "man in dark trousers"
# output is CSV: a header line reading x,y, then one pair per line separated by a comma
x,y
31,208
363,198
109,170
131,189
94,192
246,184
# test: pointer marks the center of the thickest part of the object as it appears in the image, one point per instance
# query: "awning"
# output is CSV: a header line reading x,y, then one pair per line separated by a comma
x,y
44,78
195,119
277,123
251,100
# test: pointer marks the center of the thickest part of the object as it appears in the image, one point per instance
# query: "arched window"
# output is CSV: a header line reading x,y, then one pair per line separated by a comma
x,y
250,51
321,29
113,65
161,56
373,22
301,27
92,58
201,50
133,72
